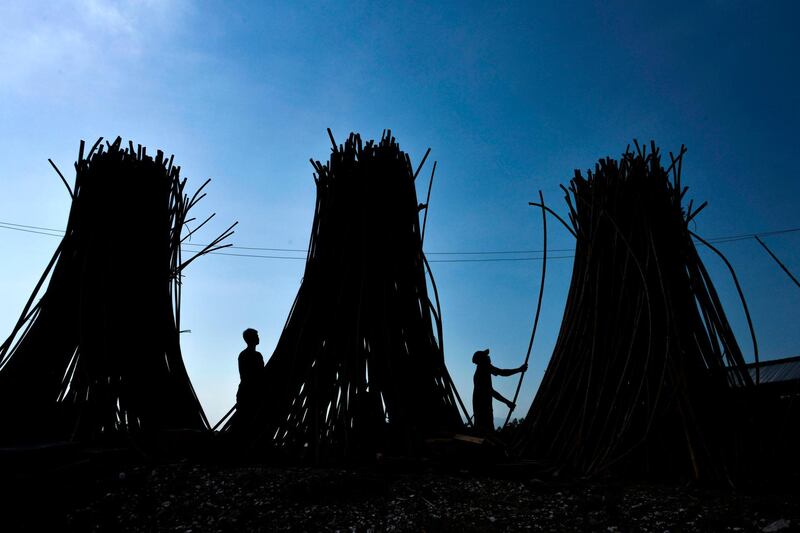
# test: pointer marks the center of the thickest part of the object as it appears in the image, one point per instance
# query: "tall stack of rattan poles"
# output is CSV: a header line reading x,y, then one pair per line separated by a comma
x,y
96,350
359,366
639,380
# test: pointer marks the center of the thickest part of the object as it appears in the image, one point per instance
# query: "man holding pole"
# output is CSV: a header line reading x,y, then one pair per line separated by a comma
x,y
483,392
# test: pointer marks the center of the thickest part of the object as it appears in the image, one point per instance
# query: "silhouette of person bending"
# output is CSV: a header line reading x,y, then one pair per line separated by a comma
x,y
251,371
483,392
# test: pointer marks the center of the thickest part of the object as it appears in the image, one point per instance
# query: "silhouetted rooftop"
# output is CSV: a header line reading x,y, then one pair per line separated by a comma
x,y
777,370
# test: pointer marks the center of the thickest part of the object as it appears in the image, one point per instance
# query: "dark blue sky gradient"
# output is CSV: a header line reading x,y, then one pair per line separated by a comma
x,y
510,99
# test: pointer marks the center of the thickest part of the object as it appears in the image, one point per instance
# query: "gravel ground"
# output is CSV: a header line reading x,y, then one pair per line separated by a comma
x,y
184,497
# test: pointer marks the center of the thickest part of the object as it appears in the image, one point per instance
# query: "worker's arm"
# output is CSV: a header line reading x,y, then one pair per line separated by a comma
x,y
508,371
242,369
499,397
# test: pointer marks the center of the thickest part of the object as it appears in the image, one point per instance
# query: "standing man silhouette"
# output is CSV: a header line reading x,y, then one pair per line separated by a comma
x,y
251,372
483,392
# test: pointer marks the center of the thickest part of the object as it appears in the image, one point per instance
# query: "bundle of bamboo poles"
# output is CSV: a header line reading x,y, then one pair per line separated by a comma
x,y
638,379
359,366
98,353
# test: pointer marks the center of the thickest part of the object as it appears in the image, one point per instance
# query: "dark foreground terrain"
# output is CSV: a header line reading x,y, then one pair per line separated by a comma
x,y
186,497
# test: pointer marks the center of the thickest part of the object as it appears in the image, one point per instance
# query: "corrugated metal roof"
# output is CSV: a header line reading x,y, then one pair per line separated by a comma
x,y
777,370
787,369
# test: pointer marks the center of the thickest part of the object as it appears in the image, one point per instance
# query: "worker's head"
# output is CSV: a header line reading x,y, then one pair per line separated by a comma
x,y
481,357
250,337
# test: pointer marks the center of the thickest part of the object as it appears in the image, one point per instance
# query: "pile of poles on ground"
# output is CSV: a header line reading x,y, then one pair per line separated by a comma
x,y
639,379
98,353
359,367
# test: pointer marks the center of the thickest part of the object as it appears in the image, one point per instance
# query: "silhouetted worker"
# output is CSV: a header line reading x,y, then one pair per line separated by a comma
x,y
483,392
251,372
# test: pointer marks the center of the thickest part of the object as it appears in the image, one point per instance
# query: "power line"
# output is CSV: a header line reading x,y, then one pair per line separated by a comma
x,y
482,252
498,259
31,227
3,226
259,256
720,239
23,227
430,261
51,232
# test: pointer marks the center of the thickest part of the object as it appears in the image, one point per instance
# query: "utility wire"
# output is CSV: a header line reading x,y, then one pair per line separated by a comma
x,y
720,239
259,256
33,231
31,227
23,227
51,232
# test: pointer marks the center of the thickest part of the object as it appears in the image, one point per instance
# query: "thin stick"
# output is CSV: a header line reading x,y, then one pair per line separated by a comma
x,y
427,203
333,141
424,158
741,297
60,175
535,204
224,418
775,257
538,308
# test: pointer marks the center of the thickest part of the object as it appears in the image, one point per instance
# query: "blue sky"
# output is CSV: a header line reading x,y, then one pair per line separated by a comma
x,y
510,98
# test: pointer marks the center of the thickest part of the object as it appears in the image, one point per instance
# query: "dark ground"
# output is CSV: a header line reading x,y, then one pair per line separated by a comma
x,y
186,497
